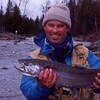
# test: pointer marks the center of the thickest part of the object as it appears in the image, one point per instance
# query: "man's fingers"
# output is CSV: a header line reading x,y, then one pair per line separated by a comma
x,y
45,74
96,86
97,83
98,80
54,79
40,75
50,76
98,74
47,77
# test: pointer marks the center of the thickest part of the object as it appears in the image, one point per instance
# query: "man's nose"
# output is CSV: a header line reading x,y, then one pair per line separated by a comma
x,y
55,29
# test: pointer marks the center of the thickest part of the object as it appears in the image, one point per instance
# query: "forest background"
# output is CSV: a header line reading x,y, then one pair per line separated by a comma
x,y
85,16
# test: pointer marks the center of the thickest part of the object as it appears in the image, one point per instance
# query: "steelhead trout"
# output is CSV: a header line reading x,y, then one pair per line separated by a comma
x,y
67,75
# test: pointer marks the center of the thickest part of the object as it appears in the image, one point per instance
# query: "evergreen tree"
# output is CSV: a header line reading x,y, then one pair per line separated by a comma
x,y
96,11
16,19
85,16
1,16
37,25
73,12
8,16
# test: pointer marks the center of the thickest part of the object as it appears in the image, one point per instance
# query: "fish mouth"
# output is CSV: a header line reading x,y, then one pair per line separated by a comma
x,y
30,69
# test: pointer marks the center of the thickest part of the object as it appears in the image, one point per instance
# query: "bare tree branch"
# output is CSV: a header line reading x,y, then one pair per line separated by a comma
x,y
20,2
26,2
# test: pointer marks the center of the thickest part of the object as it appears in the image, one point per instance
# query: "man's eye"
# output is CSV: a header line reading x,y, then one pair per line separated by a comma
x,y
50,25
60,26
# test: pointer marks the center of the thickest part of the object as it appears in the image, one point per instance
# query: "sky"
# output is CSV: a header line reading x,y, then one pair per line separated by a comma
x,y
31,7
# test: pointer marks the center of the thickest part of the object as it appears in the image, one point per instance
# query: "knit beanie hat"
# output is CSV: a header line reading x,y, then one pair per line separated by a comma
x,y
58,12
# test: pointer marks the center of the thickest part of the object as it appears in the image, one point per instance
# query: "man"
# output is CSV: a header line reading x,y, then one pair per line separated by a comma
x,y
56,45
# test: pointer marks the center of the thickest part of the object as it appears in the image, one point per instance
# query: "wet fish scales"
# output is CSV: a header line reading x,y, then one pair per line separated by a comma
x,y
66,75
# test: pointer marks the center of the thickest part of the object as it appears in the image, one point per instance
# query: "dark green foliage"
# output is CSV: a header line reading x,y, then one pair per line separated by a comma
x,y
96,6
37,25
85,16
73,13
13,20
26,26
1,17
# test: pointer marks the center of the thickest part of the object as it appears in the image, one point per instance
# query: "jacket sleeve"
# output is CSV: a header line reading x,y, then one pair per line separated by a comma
x,y
32,90
93,60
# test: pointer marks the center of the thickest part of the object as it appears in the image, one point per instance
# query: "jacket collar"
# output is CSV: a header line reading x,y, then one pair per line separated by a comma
x,y
40,40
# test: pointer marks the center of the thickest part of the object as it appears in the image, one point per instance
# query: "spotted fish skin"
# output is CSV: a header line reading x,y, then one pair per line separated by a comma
x,y
67,75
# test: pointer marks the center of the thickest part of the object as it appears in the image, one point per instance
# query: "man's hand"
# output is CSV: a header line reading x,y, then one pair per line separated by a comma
x,y
97,83
47,77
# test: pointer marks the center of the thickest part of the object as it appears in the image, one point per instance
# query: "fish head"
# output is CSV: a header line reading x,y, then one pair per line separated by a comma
x,y
33,70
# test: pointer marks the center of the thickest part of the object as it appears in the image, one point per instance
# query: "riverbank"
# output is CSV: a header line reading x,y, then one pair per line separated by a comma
x,y
9,76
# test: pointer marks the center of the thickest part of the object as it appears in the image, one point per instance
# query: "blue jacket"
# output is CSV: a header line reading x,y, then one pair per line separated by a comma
x,y
30,87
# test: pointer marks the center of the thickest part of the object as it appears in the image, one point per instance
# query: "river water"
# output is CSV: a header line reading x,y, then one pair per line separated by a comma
x,y
10,52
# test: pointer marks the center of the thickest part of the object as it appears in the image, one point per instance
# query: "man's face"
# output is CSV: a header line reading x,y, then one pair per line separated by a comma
x,y
56,31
